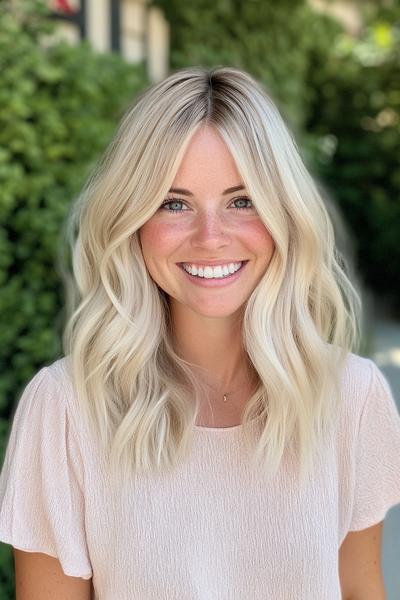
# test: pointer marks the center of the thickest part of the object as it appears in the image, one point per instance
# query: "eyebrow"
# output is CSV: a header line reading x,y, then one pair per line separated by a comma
x,y
230,190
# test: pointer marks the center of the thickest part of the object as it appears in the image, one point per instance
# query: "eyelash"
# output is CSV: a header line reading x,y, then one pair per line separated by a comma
x,y
172,210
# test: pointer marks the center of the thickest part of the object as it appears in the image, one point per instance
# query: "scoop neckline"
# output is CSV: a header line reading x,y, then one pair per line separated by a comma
x,y
226,429
232,428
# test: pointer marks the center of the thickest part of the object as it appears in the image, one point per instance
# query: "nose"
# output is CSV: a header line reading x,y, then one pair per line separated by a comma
x,y
210,232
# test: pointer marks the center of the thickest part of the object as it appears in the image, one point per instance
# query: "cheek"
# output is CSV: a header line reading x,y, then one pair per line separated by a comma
x,y
260,238
158,239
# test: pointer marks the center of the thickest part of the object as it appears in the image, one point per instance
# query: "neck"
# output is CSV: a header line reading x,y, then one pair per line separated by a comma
x,y
214,346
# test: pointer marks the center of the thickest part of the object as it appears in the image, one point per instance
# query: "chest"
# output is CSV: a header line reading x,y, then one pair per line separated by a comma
x,y
215,529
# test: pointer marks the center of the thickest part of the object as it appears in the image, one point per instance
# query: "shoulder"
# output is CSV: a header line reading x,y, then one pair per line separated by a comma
x,y
357,377
366,397
43,478
369,445
361,384
357,369
57,374
60,373
362,377
50,391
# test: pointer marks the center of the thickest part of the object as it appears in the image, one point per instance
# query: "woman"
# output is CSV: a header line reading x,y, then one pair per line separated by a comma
x,y
209,432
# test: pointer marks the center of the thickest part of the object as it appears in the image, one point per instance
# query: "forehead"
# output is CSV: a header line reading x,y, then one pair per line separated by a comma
x,y
207,162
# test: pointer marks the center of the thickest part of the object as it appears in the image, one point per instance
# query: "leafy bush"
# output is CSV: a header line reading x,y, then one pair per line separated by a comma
x,y
59,106
354,112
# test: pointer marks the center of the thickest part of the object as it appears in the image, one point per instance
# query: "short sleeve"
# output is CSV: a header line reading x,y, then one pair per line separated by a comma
x,y
41,482
377,460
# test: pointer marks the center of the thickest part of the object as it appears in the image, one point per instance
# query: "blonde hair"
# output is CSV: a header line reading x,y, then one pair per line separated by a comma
x,y
299,323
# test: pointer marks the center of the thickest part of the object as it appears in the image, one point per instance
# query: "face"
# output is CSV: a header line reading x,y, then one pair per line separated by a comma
x,y
208,225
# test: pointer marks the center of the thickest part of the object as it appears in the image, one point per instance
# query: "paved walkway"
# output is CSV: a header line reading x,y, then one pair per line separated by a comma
x,y
386,354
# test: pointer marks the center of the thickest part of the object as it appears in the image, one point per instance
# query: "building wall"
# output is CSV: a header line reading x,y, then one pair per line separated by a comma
x,y
143,30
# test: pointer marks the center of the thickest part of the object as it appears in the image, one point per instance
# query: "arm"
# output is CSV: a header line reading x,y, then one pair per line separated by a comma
x,y
40,577
360,569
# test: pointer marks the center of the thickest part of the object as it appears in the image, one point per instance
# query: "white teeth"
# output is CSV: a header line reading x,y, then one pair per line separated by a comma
x,y
209,272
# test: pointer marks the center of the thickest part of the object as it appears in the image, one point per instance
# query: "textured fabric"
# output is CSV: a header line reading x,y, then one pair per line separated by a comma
x,y
214,529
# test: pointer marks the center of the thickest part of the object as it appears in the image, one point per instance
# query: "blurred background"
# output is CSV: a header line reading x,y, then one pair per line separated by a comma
x,y
70,68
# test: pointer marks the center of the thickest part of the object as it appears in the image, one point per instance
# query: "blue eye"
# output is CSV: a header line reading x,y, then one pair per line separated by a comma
x,y
172,201
243,199
175,201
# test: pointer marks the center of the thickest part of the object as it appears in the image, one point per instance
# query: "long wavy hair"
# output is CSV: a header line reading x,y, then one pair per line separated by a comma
x,y
299,324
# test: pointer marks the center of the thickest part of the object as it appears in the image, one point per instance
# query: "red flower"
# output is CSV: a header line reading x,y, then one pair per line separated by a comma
x,y
64,7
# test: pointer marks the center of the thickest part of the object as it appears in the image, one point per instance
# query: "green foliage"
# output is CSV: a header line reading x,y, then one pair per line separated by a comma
x,y
354,115
7,584
59,106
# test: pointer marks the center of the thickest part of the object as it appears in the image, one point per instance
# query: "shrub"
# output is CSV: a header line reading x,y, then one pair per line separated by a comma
x,y
59,106
354,112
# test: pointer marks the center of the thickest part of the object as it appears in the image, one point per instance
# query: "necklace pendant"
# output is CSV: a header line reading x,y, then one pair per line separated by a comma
x,y
225,398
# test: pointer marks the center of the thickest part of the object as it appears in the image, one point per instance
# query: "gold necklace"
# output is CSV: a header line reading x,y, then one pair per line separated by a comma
x,y
225,395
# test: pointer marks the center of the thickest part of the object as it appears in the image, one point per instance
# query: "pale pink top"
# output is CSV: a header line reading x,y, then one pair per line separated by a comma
x,y
212,530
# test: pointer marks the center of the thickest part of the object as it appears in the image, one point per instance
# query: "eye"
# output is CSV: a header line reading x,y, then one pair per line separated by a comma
x,y
173,208
243,200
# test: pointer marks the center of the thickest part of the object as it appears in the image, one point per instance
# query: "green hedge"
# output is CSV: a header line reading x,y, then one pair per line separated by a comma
x,y
355,113
59,106
58,109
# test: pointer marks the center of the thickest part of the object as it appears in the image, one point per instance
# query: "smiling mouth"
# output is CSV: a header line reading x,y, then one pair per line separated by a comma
x,y
211,277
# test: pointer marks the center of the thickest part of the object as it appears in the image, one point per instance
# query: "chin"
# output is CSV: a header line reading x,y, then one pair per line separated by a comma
x,y
221,312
